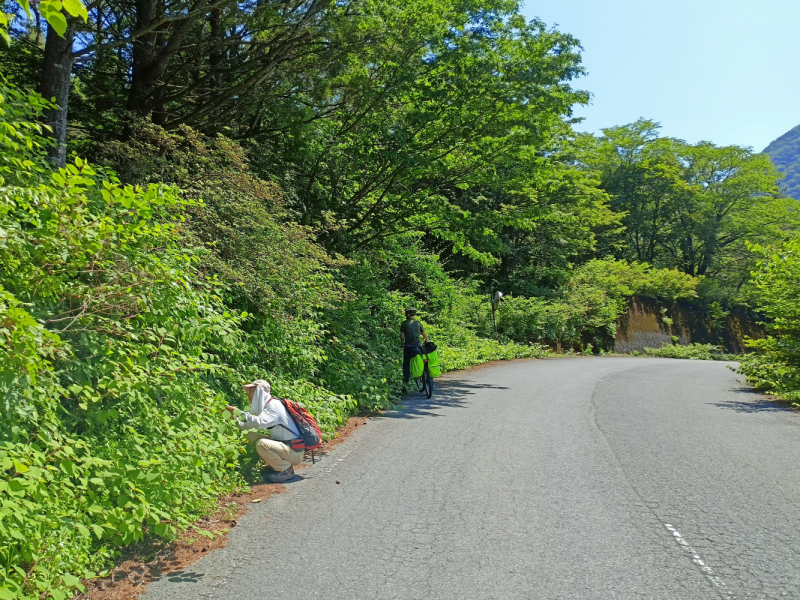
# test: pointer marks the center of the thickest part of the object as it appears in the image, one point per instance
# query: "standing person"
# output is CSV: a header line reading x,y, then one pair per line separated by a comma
x,y
275,430
410,331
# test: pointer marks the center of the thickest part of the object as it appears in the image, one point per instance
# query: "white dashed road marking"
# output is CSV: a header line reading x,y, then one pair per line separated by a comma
x,y
696,559
325,471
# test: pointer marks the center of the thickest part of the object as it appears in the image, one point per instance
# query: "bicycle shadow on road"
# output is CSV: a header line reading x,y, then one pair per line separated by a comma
x,y
450,393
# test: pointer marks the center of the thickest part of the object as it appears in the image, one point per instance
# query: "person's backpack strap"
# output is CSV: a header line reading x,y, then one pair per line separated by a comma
x,y
296,444
289,429
306,424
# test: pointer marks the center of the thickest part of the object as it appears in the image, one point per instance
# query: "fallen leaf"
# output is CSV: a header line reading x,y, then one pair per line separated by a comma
x,y
258,500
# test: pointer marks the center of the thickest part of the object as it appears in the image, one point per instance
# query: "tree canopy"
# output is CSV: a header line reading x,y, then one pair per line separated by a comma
x,y
689,206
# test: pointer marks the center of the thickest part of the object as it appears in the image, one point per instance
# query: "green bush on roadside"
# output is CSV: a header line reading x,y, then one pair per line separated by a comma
x,y
108,368
590,304
690,351
774,363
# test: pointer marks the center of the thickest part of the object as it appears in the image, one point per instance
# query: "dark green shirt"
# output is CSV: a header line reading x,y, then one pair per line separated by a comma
x,y
412,330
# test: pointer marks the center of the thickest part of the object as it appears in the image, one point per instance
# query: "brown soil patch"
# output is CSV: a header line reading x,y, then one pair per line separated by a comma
x,y
344,432
150,559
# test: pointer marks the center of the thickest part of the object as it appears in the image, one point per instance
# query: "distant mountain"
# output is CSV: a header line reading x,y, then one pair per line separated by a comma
x,y
785,153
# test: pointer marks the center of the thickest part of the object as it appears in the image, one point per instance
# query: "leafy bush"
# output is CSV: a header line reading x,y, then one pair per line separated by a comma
x,y
461,347
691,351
621,279
111,418
590,304
528,320
774,365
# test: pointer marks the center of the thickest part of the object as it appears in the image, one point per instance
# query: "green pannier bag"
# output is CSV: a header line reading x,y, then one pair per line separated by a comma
x,y
433,364
417,366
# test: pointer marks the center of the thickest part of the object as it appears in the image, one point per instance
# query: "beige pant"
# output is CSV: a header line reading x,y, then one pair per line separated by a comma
x,y
277,454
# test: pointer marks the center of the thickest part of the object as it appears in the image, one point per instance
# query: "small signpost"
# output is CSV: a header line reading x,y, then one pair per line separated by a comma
x,y
497,296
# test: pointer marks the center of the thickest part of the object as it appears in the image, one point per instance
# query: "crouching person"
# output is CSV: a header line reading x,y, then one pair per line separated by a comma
x,y
273,431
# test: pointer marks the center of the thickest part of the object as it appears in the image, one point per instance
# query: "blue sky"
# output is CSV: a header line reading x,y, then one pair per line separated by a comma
x,y
723,71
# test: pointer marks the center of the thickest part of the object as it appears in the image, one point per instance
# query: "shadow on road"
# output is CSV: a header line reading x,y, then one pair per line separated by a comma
x,y
185,576
756,403
448,393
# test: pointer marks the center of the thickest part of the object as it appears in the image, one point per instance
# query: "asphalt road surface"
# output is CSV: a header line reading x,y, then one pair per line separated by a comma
x,y
591,477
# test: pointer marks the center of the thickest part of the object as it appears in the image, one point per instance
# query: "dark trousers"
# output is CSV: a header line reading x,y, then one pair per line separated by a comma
x,y
409,352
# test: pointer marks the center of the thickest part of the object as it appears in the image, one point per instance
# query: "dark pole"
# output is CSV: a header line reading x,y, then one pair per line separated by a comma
x,y
494,320
497,295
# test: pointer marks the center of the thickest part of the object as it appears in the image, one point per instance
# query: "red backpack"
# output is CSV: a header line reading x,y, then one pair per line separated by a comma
x,y
309,430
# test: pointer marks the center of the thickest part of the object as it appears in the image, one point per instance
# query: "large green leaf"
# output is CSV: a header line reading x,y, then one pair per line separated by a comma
x,y
76,9
58,22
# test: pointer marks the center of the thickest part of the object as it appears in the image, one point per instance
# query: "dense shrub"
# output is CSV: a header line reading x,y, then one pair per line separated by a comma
x,y
691,351
774,365
587,308
111,417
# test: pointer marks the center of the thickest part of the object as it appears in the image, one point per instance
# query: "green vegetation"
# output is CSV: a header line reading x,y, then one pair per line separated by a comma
x,y
109,373
775,364
256,191
691,351
785,153
587,308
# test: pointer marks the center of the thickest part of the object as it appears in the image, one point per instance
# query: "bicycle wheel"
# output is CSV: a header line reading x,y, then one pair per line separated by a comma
x,y
419,383
427,382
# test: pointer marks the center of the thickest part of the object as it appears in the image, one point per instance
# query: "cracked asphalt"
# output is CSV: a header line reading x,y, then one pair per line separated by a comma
x,y
590,477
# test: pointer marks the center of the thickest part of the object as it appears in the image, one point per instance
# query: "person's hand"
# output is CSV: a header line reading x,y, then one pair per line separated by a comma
x,y
232,409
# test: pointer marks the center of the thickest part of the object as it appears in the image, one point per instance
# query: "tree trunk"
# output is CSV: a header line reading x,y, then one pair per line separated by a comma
x,y
145,69
217,34
152,53
56,75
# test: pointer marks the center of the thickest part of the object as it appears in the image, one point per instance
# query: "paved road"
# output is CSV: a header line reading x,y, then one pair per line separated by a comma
x,y
590,478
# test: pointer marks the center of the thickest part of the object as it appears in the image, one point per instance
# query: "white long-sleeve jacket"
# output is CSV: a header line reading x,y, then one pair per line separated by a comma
x,y
268,413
